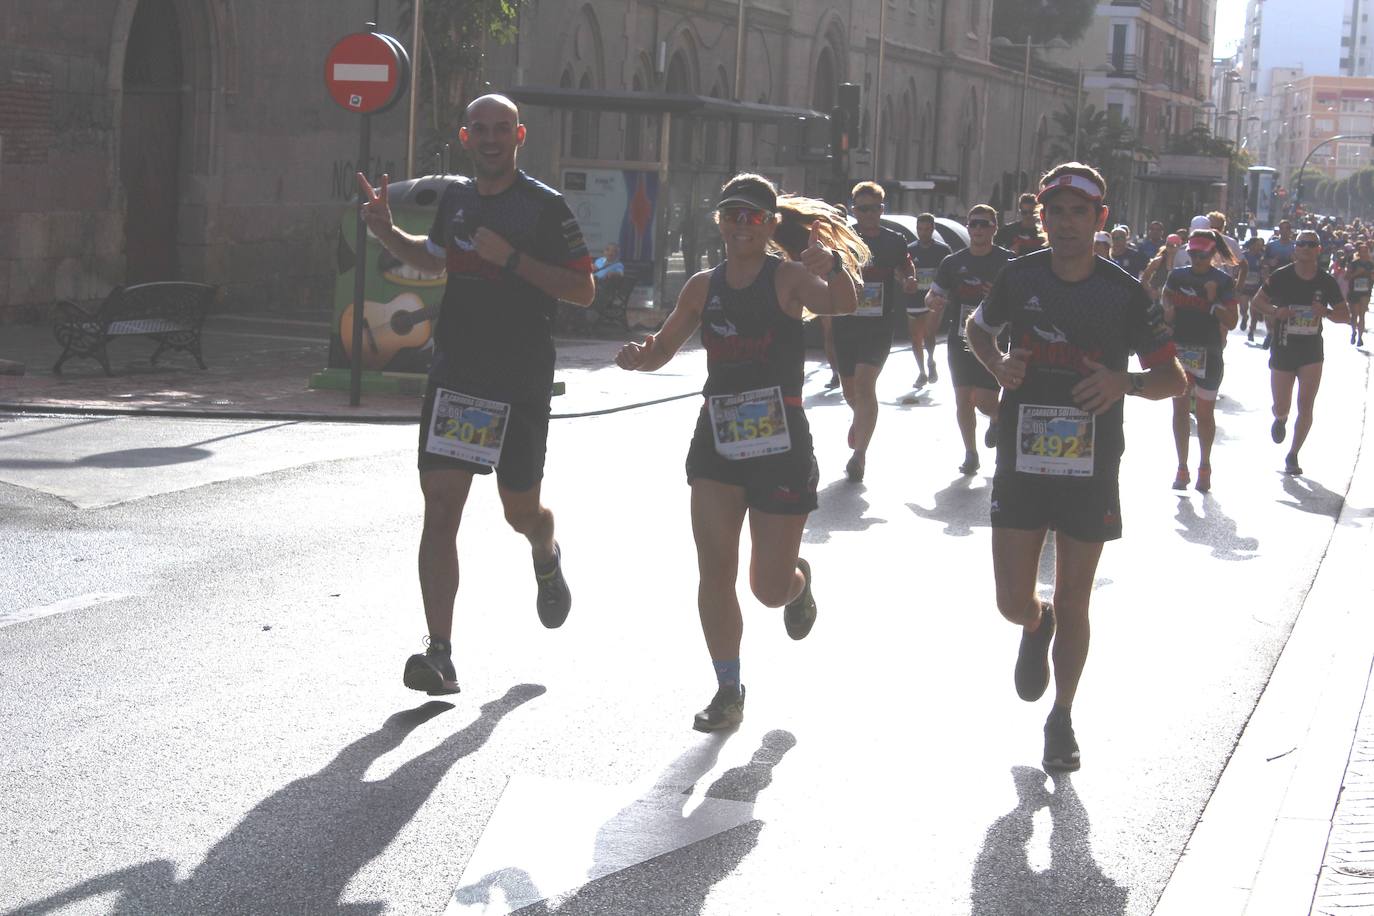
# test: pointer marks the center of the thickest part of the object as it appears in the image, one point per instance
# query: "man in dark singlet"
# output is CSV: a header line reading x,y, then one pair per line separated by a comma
x,y
926,254
962,282
1022,236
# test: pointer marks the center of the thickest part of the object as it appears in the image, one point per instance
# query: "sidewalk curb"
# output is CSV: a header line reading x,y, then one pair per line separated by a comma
x,y
104,410
1259,846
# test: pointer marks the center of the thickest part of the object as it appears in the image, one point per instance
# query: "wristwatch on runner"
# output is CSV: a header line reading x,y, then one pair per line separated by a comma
x,y
512,262
1137,383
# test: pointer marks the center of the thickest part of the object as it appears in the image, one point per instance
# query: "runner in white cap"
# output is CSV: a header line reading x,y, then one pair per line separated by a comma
x,y
1073,319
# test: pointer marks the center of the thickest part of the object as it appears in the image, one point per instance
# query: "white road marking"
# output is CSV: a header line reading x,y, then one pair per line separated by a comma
x,y
362,73
525,855
58,607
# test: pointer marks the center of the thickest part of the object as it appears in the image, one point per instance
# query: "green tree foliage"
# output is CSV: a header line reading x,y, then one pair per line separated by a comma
x,y
1042,19
455,35
1104,142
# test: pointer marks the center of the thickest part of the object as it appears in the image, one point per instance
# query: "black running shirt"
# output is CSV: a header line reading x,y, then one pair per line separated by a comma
x,y
1104,318
1286,288
926,258
965,279
750,342
1019,239
495,338
888,254
1193,297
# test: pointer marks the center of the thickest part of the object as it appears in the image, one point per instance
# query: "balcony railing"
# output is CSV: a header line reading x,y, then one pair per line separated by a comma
x,y
1122,65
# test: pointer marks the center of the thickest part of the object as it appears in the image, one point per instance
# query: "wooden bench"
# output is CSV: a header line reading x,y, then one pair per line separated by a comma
x,y
170,312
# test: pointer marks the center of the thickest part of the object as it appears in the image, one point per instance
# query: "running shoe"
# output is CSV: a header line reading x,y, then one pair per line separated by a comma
x,y
1242,324
854,470
1291,466
834,382
971,464
1359,341
1278,431
799,616
990,437
432,671
726,710
1251,336
920,381
1061,748
1267,340
554,600
934,373
1204,479
1181,479
1352,337
1033,658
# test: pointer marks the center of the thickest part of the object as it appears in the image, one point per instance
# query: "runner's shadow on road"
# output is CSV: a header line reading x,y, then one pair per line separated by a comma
x,y
1214,529
840,507
151,457
297,850
960,506
678,883
1005,883
1310,496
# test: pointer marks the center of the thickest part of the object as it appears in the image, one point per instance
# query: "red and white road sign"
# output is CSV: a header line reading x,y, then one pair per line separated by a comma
x,y
363,72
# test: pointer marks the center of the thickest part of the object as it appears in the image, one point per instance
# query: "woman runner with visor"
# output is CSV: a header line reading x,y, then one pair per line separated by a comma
x,y
1200,306
751,454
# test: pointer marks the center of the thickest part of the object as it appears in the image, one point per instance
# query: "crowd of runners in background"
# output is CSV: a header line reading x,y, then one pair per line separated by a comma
x,y
1040,318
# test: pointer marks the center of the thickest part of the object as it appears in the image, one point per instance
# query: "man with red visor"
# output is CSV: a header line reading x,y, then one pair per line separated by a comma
x,y
1072,319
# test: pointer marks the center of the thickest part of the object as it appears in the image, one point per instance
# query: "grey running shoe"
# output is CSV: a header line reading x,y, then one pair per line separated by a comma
x,y
726,710
1291,466
1061,748
854,469
432,671
554,600
1278,431
971,464
990,437
800,615
1032,674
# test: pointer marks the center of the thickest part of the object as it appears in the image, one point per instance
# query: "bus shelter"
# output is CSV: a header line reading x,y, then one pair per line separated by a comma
x,y
655,197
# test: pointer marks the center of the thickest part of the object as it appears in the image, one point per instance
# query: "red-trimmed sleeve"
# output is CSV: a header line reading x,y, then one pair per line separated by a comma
x,y
559,238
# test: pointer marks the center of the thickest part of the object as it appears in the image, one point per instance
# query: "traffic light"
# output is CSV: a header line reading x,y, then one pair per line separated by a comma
x,y
847,98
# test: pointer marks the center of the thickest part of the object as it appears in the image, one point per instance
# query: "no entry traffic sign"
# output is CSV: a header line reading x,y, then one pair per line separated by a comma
x,y
366,72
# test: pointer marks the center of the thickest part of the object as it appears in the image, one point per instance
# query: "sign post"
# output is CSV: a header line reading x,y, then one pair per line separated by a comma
x,y
366,72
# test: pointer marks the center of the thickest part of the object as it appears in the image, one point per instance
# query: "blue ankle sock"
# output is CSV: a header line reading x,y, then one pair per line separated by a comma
x,y
727,672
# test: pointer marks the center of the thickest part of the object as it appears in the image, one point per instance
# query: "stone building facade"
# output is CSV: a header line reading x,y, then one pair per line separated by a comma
x,y
144,139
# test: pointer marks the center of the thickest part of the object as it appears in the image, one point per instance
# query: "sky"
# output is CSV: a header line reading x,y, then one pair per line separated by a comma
x,y
1230,26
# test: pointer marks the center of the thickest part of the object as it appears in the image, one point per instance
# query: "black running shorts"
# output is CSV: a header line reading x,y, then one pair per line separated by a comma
x,y
781,484
861,340
967,371
521,465
1087,510
1293,354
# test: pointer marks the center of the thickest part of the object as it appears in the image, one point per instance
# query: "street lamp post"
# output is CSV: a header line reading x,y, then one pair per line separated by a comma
x,y
1297,197
1055,44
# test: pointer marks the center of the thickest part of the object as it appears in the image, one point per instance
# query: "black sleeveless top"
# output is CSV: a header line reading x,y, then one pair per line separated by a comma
x,y
749,342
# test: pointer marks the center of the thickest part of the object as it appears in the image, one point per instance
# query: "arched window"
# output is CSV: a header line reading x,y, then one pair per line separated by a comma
x,y
679,81
823,92
586,126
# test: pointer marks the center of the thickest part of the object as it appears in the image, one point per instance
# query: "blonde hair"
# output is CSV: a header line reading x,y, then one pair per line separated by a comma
x,y
868,187
797,214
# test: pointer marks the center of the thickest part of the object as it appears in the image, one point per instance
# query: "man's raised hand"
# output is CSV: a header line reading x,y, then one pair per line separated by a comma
x,y
376,204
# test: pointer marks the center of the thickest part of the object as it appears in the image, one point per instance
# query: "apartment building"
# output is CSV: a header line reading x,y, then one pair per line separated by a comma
x,y
1311,112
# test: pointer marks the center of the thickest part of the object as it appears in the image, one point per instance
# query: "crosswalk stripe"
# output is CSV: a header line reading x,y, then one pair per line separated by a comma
x,y
75,603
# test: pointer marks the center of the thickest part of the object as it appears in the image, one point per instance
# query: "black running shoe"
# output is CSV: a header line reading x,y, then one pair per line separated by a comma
x,y
1291,466
854,470
554,600
1061,748
1033,658
800,615
1266,343
970,465
432,671
834,382
920,381
726,710
1277,432
990,437
934,373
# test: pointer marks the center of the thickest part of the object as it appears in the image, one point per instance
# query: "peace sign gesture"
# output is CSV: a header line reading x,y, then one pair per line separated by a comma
x,y
376,205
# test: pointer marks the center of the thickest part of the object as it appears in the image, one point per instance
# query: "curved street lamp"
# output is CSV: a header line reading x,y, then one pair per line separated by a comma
x,y
1297,197
1054,44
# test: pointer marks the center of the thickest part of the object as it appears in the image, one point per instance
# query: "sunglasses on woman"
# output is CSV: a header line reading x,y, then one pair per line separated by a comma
x,y
743,216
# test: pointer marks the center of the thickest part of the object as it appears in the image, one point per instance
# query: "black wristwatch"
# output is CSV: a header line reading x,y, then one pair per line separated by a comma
x,y
838,266
512,262
1137,383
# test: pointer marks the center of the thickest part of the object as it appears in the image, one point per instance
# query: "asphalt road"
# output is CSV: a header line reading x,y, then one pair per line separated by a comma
x,y
203,624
